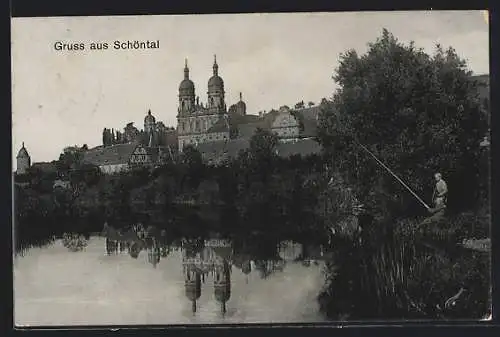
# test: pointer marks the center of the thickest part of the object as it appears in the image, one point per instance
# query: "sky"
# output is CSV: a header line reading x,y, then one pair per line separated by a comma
x,y
63,98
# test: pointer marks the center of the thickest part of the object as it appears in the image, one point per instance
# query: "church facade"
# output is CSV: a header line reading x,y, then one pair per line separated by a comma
x,y
198,122
206,125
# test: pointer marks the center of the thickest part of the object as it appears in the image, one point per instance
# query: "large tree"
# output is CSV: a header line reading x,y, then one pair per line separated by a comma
x,y
417,113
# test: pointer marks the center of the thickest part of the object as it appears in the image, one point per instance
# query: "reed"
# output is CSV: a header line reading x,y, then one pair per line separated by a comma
x,y
406,273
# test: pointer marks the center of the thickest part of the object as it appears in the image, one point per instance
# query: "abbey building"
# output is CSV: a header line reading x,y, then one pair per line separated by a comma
x,y
218,132
197,122
212,127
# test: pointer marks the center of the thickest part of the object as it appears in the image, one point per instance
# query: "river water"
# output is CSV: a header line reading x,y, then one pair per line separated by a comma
x,y
55,286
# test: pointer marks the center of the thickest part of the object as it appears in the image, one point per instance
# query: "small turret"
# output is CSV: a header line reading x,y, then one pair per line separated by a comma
x,y
241,107
23,161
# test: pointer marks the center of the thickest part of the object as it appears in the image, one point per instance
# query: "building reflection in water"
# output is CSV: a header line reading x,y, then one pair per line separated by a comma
x,y
201,258
215,258
154,254
290,250
307,254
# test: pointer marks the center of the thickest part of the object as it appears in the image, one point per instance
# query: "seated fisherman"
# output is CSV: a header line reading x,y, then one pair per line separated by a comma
x,y
440,191
439,199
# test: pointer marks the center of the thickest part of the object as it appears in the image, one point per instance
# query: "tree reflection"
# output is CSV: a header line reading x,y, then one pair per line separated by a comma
x,y
208,260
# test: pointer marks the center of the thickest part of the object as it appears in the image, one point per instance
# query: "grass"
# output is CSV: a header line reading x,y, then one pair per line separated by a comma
x,y
410,273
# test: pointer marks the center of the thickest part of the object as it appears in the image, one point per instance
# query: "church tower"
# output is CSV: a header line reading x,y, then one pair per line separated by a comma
x,y
222,284
186,94
23,161
187,107
216,102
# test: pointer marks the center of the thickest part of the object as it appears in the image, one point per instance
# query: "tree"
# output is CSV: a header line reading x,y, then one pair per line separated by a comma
x,y
263,144
300,105
193,161
191,156
106,141
417,113
71,157
85,173
310,104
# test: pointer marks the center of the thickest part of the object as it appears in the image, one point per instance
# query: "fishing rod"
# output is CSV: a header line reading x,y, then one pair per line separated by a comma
x,y
394,175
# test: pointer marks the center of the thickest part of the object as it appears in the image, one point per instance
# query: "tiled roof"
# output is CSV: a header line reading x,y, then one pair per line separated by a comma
x,y
235,119
216,152
484,85
267,120
309,128
485,78
247,130
22,152
110,155
310,113
162,153
45,167
303,147
171,138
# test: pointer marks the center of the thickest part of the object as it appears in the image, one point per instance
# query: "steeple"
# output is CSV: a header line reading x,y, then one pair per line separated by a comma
x,y
23,160
241,96
215,67
216,91
186,69
186,92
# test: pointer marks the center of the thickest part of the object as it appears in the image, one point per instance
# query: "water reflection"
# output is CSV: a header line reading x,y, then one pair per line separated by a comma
x,y
207,265
212,259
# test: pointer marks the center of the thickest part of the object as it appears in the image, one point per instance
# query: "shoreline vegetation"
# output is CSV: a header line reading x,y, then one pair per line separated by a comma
x,y
419,113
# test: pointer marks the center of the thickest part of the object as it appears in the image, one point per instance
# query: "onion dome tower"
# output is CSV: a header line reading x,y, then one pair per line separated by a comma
x,y
154,255
241,107
216,92
23,161
135,250
261,266
192,284
222,284
186,93
246,268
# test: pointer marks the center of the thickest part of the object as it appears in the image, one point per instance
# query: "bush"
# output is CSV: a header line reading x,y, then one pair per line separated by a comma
x,y
74,242
409,274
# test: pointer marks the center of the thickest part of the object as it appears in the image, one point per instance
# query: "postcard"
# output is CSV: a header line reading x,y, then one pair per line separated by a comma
x,y
251,168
